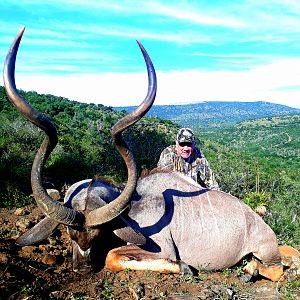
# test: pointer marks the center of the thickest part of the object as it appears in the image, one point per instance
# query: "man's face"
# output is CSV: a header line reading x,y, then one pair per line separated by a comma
x,y
184,149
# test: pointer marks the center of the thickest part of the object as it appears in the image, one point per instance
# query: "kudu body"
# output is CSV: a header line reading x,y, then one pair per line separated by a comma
x,y
177,223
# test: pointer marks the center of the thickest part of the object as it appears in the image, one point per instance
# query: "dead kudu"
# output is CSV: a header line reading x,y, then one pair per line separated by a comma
x,y
176,222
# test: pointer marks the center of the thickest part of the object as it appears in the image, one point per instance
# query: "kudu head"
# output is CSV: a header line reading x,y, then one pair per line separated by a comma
x,y
83,224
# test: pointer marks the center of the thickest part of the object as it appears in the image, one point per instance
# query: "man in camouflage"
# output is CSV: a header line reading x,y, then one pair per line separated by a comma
x,y
185,157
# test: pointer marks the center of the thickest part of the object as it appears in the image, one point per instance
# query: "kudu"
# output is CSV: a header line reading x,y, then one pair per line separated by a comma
x,y
176,222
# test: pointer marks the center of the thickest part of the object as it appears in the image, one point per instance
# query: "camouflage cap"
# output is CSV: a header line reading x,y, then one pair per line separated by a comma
x,y
185,135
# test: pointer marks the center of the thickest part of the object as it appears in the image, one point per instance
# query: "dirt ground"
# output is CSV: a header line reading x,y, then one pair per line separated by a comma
x,y
44,271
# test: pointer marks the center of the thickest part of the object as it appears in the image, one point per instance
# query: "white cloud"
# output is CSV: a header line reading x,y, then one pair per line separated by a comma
x,y
278,82
274,83
192,14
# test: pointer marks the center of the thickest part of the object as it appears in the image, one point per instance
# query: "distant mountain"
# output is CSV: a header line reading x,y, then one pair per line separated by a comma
x,y
211,116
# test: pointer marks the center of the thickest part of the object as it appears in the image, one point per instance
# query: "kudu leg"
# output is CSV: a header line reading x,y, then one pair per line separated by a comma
x,y
268,262
288,255
273,271
134,258
255,267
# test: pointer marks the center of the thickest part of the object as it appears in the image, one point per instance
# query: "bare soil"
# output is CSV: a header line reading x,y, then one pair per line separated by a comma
x,y
44,271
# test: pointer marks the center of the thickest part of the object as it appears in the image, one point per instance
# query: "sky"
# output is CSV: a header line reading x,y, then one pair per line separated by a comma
x,y
202,50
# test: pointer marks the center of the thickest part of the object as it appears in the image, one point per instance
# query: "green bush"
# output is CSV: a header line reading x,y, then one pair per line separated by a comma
x,y
254,199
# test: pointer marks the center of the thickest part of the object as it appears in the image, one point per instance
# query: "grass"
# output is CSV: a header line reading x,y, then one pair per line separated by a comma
x,y
291,290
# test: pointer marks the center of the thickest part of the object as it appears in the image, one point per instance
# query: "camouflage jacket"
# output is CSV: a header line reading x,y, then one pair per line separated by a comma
x,y
196,166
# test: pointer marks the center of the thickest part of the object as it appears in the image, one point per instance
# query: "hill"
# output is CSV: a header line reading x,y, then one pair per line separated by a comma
x,y
85,146
216,115
272,136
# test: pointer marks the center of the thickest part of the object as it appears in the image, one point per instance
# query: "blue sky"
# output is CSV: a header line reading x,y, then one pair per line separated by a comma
x,y
202,50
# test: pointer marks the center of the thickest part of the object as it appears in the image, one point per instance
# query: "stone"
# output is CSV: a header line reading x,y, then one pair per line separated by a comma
x,y
23,224
44,248
182,297
27,250
3,258
261,210
19,212
266,293
49,260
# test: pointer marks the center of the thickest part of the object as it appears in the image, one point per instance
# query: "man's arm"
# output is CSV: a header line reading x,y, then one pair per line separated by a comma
x,y
166,159
210,180
205,176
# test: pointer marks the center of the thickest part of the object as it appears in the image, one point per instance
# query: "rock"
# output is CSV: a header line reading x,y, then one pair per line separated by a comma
x,y
137,290
27,251
57,252
182,297
3,258
59,295
206,293
15,233
261,210
52,241
228,293
293,272
19,212
223,292
261,293
246,277
23,224
49,260
266,293
44,248
54,194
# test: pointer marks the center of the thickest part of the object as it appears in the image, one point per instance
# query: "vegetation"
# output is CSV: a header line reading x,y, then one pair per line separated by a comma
x,y
85,147
258,161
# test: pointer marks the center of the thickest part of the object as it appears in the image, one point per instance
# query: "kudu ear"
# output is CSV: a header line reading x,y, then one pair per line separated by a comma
x,y
37,233
129,235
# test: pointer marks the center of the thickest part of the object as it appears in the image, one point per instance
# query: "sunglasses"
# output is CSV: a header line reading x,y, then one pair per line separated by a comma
x,y
183,144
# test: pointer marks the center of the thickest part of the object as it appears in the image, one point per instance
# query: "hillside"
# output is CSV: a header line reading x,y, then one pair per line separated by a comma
x,y
272,136
85,146
215,115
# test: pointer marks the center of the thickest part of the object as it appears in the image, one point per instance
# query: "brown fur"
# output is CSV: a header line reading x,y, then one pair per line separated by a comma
x,y
146,172
273,273
288,251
